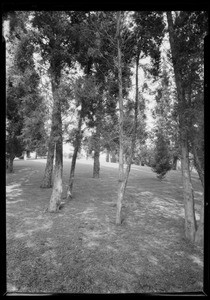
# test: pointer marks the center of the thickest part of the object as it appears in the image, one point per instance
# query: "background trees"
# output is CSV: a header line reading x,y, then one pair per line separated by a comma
x,y
25,107
161,164
110,49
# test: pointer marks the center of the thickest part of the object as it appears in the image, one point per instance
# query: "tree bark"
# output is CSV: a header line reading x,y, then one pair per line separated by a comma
x,y
74,158
190,222
55,199
47,179
198,165
113,157
96,164
123,176
121,186
174,165
24,155
107,155
131,154
199,235
10,164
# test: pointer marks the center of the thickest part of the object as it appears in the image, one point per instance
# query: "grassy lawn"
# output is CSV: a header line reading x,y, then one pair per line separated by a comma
x,y
81,250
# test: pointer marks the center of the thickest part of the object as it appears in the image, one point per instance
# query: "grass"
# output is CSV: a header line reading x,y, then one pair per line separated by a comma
x,y
81,250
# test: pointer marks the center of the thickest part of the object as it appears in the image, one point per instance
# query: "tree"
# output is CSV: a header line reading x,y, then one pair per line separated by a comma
x,y
161,164
164,114
23,97
99,60
77,134
53,43
146,42
34,109
14,120
187,59
197,135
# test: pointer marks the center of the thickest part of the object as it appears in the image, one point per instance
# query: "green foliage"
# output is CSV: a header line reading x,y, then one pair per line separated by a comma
x,y
161,164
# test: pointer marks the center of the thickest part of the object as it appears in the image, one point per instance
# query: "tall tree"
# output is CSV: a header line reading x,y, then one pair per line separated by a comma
x,y
24,102
99,60
187,28
147,41
121,187
53,42
77,144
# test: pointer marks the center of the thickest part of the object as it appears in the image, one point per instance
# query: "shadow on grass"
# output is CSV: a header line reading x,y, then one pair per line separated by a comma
x,y
81,250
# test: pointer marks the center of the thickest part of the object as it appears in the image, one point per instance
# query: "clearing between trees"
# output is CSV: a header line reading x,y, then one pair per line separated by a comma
x,y
81,250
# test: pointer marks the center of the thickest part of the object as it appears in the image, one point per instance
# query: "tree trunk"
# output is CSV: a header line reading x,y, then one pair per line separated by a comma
x,y
113,157
199,235
198,165
123,177
24,155
121,182
174,165
10,164
47,179
96,164
74,158
55,199
190,222
107,155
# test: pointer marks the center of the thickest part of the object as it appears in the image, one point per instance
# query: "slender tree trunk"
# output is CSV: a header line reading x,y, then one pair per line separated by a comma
x,y
190,222
10,164
121,182
123,177
47,179
48,173
198,165
24,155
199,235
175,159
55,199
107,155
96,164
74,158
113,157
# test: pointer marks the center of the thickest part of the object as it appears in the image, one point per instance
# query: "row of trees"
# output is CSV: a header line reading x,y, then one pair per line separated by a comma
x,y
107,46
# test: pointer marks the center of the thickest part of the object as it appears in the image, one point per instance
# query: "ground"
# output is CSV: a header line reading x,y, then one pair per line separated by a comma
x,y
81,250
